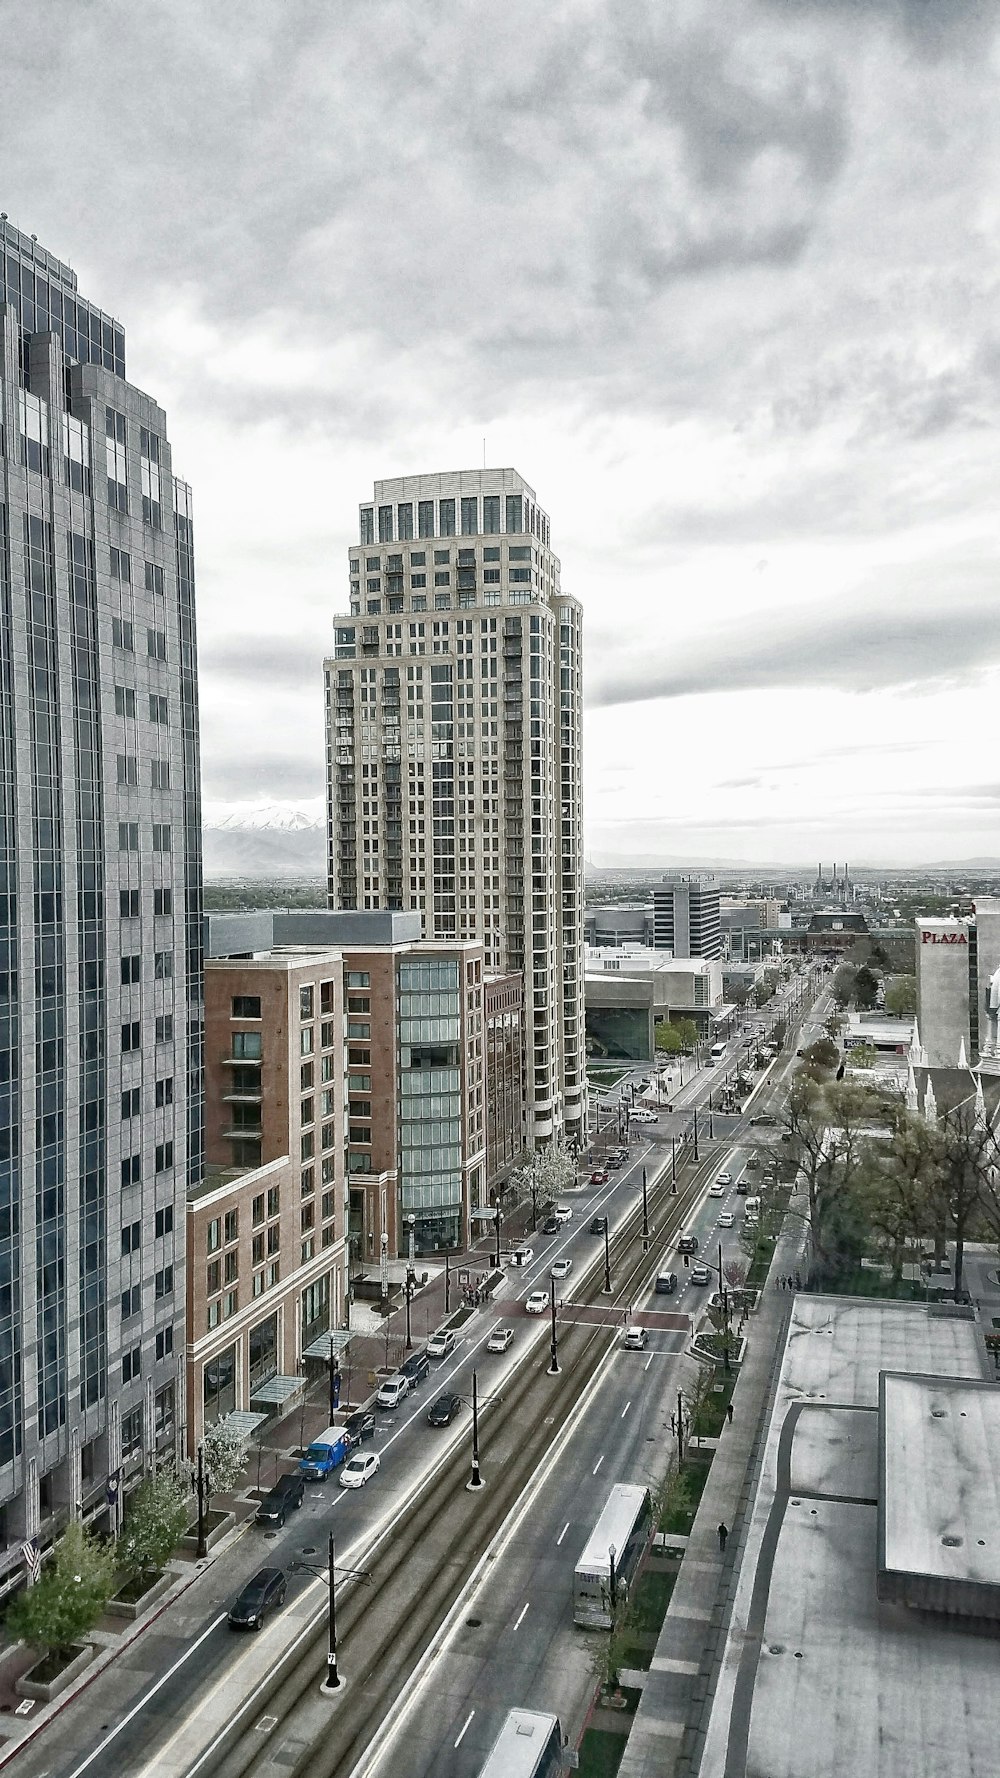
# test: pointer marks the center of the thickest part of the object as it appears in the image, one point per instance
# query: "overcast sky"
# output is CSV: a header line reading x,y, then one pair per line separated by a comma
x,y
719,277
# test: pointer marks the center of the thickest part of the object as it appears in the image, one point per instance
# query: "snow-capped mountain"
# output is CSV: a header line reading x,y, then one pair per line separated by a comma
x,y
265,840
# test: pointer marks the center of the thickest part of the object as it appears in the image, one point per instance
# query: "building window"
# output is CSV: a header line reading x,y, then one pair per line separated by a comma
x,y
131,1302
232,1227
385,524
246,1046
367,524
306,1041
358,978
163,1401
149,470
213,1235
307,1217
114,426
164,1343
308,1249
231,1303
258,1209
163,1221
305,1003
491,513
514,513
131,1368
164,1028
470,515
246,1006
164,1156
425,518
164,1283
446,518
404,517
273,1200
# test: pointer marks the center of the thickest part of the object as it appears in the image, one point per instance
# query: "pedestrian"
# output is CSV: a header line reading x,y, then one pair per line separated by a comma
x,y
798,1282
723,1535
729,1412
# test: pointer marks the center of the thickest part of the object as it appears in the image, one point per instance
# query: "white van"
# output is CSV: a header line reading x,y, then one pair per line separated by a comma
x,y
751,1212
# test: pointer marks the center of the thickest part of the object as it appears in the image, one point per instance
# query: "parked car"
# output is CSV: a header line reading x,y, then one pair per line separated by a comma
x,y
522,1256
598,1225
392,1391
726,1219
563,1213
764,1119
634,1339
500,1339
283,1498
442,1412
666,1283
324,1454
700,1274
360,1425
537,1303
262,1594
415,1368
359,1469
551,1225
687,1243
598,1177
441,1343
561,1268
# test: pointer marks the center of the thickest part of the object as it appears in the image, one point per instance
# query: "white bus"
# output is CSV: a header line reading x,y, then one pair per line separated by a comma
x,y
717,1052
624,1526
528,1746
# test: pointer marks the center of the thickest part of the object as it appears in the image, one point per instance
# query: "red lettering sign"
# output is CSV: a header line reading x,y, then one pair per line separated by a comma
x,y
944,938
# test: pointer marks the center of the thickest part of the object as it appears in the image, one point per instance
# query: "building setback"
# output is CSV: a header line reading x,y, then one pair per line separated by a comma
x,y
100,909
453,703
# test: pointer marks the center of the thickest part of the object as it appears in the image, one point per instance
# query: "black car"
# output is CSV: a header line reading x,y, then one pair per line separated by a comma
x,y
284,1497
442,1412
416,1368
360,1425
260,1595
598,1225
687,1244
551,1225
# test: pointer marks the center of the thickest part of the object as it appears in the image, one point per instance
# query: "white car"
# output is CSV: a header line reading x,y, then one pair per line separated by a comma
x,y
392,1391
441,1343
563,1213
724,1179
522,1256
359,1469
726,1219
561,1268
634,1339
717,1190
500,1339
537,1303
644,1117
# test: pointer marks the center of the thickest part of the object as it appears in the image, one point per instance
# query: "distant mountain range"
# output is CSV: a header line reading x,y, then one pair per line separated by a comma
x,y
273,841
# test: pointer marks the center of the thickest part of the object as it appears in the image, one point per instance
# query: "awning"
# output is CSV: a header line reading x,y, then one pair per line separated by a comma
x,y
277,1390
336,1340
243,1423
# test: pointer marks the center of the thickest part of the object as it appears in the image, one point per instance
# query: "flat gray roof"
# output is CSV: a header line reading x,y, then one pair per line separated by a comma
x,y
940,1490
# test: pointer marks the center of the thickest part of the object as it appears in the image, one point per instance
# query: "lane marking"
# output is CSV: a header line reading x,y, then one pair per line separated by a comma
x,y
562,1534
464,1726
648,1362
625,1410
517,1624
597,1465
144,1700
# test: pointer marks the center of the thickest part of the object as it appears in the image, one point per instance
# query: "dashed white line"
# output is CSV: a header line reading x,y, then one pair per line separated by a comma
x,y
625,1410
562,1534
517,1621
464,1726
648,1362
597,1465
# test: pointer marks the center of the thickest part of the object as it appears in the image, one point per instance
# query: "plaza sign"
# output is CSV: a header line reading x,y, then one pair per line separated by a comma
x,y
944,938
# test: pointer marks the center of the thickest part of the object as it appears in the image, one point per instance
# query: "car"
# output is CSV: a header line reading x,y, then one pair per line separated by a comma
x,y
537,1303
800,1053
560,1268
415,1368
666,1283
563,1213
615,1162
716,1190
392,1391
283,1498
598,1177
700,1274
598,1225
522,1256
726,1219
724,1179
360,1425
645,1117
500,1339
753,1162
709,1062
359,1469
687,1243
551,1225
262,1594
442,1412
441,1343
764,1119
634,1339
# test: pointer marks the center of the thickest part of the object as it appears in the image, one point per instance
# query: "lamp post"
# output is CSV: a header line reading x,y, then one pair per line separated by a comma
x,y
202,1547
607,1259
673,1164
645,1215
409,1299
384,1270
333,1681
475,1480
696,1132
496,1258
447,1285
553,1370
334,1382
711,1120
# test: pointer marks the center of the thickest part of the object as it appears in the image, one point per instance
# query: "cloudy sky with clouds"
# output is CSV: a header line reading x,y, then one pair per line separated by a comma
x,y
718,276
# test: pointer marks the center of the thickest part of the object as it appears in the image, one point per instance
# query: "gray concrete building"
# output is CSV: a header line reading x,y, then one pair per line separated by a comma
x,y
686,916
453,713
100,910
945,951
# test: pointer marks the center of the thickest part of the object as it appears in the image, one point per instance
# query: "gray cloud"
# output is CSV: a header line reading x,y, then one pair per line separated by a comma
x,y
264,777
292,663
860,649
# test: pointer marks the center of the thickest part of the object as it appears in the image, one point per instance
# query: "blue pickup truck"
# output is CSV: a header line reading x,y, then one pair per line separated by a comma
x,y
325,1454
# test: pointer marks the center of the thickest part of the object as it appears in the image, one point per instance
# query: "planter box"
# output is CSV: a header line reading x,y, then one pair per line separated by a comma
x,y
30,1686
130,1609
218,1525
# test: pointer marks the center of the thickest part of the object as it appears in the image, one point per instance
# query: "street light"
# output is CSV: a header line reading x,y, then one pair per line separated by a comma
x,y
409,1299
645,1214
334,1381
475,1480
497,1255
553,1370
673,1164
607,1258
332,1681
202,1547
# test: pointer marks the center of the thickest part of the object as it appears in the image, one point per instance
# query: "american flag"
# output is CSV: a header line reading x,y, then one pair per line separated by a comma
x,y
32,1561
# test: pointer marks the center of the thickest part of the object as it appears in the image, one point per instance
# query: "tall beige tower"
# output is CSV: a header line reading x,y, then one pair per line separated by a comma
x,y
453,724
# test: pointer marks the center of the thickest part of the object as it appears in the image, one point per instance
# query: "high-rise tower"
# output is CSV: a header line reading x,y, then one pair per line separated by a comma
x,y
100,908
453,705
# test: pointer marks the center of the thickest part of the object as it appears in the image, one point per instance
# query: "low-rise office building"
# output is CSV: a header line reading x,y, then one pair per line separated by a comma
x,y
506,1082
629,991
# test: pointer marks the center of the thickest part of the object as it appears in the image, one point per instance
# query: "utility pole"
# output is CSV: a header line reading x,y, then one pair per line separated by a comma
x,y
334,1382
475,1480
332,1680
673,1164
680,1427
202,1547
645,1215
553,1370
497,1255
607,1258
447,1285
696,1133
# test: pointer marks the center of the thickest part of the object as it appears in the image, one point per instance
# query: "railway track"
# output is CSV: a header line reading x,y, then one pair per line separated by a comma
x,y
385,1626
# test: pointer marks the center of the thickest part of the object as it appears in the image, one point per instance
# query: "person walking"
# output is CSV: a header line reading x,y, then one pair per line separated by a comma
x,y
723,1535
729,1412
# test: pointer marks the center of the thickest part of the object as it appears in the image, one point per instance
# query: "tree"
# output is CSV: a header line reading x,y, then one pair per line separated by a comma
x,y
73,1591
901,996
842,987
863,1055
156,1518
226,1450
865,988
687,1030
821,1057
555,1169
667,1038
834,1025
829,1127
738,993
779,1031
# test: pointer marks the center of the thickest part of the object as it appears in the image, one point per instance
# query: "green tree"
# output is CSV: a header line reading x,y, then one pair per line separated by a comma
x,y
821,1057
901,996
863,1055
667,1038
687,1031
67,1601
865,989
842,987
156,1518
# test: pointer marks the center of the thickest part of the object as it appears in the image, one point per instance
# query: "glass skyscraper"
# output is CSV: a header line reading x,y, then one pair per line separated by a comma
x,y
101,1046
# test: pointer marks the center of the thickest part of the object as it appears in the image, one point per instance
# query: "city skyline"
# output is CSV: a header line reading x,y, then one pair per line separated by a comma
x,y
700,307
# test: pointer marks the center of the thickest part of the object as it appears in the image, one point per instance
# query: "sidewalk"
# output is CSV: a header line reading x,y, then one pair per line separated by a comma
x,y
668,1730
